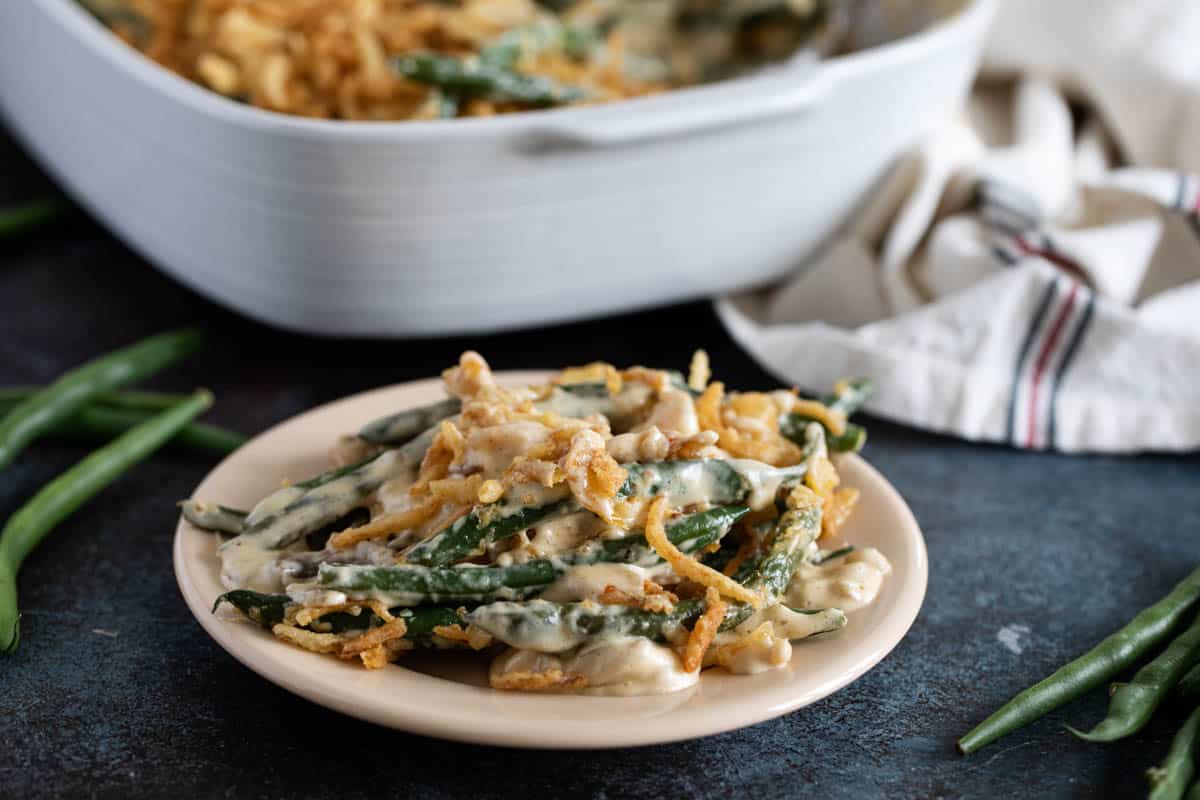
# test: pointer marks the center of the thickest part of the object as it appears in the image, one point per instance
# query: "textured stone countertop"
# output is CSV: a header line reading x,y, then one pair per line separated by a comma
x,y
117,692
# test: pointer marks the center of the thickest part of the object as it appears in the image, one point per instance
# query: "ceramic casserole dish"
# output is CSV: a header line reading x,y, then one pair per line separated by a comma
x,y
471,225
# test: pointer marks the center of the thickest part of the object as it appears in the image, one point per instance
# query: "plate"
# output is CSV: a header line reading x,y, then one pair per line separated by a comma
x,y
448,697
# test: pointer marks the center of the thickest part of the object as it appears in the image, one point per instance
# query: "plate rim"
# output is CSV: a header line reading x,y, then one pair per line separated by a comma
x,y
285,671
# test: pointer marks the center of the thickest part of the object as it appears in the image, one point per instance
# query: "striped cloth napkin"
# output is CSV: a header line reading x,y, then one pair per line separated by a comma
x,y
1031,275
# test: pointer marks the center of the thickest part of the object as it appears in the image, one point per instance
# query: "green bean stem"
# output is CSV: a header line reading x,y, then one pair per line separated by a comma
x,y
1099,665
1170,780
61,497
1134,702
60,400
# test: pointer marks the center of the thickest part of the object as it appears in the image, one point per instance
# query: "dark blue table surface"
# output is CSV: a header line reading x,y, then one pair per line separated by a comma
x,y
1067,547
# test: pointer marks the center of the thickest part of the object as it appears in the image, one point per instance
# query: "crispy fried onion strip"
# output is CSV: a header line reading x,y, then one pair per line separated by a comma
x,y
386,524
699,371
764,443
687,567
835,421
704,631
836,509
305,616
592,474
596,372
551,679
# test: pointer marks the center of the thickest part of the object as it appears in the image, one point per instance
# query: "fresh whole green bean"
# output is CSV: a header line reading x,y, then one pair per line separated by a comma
x,y
61,497
100,423
480,78
132,399
1133,703
1099,665
412,584
1170,780
63,398
1189,684
16,220
212,517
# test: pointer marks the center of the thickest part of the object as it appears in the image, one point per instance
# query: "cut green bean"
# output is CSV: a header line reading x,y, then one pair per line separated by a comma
x,y
412,584
852,395
269,610
471,77
20,219
1133,703
213,517
61,497
1099,665
55,404
1170,780
295,511
398,429
469,535
100,423
552,627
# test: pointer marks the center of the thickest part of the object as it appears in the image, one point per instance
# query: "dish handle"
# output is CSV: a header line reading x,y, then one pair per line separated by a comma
x,y
782,92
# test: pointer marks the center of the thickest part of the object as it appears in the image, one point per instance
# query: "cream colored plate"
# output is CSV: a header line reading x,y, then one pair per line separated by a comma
x,y
446,695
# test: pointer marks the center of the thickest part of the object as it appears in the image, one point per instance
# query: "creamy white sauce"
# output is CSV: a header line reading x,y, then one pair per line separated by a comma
x,y
587,582
491,450
674,414
619,666
247,564
551,537
849,583
648,444
758,650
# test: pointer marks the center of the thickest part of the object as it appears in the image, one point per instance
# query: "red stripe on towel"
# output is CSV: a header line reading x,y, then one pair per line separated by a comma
x,y
1043,359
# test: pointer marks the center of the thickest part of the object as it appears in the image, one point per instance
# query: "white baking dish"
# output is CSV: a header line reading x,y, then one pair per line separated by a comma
x,y
471,224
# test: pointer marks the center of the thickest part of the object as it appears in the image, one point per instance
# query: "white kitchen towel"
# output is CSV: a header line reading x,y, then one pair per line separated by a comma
x,y
1010,282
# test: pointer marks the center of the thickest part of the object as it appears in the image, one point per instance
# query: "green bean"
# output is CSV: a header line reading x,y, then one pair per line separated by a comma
x,y
470,534
16,220
478,78
101,423
851,397
545,35
213,517
397,429
1171,779
62,496
287,514
1099,665
269,610
1133,703
840,553
74,390
715,480
129,399
1189,684
412,584
551,627
1194,792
